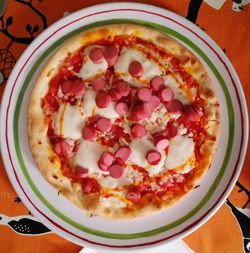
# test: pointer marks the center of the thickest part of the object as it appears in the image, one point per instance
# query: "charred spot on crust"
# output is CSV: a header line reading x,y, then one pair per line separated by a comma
x,y
55,176
52,159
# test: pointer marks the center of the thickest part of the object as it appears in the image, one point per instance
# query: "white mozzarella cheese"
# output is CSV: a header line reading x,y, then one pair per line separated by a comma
x,y
88,155
90,108
150,69
90,69
139,150
110,182
180,149
69,121
178,93
112,202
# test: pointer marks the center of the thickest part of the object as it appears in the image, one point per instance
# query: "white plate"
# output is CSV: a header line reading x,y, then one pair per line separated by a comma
x,y
62,216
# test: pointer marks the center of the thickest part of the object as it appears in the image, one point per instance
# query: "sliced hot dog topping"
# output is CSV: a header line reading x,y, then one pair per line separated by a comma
x,y
161,142
174,106
141,112
121,108
103,124
123,88
134,196
171,131
81,172
62,148
107,158
89,133
111,55
103,99
157,83
90,185
154,102
166,94
138,131
144,94
116,170
135,69
67,87
123,154
99,84
96,55
76,87
153,157
115,94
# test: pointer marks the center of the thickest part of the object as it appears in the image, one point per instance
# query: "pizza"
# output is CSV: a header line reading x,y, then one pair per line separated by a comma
x,y
123,121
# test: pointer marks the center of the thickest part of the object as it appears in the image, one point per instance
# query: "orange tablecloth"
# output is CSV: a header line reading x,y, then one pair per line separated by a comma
x,y
229,229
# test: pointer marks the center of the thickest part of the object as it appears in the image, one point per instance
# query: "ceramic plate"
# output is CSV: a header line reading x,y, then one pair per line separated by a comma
x,y
59,214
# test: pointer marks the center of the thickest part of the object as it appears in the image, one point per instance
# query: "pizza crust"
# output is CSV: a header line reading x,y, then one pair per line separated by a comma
x,y
49,163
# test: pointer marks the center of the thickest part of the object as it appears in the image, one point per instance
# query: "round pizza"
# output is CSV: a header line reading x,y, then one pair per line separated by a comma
x,y
123,121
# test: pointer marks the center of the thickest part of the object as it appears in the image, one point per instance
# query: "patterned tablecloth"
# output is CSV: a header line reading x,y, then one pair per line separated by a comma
x,y
226,21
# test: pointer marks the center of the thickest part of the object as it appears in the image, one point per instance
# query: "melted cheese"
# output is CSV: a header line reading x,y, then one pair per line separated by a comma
x,y
90,108
112,202
109,182
139,150
150,69
90,69
178,93
88,155
69,121
180,151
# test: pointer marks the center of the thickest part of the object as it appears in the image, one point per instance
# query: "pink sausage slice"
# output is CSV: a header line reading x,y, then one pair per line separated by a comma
x,y
111,55
103,124
96,55
191,115
115,94
89,133
103,99
99,84
157,83
123,88
121,108
79,88
102,166
171,131
174,106
166,94
161,142
67,87
116,170
81,172
153,157
62,148
154,102
107,158
138,131
123,154
134,196
141,112
135,69
144,94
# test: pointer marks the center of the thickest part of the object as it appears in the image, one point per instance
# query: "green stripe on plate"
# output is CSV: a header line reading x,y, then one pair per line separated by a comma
x,y
213,186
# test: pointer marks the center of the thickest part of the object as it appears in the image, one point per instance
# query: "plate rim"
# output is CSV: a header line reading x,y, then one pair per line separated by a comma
x,y
234,74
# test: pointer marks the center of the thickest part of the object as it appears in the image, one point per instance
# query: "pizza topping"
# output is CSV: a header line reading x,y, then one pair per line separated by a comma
x,y
89,133
141,112
179,151
99,84
166,94
96,55
171,131
144,94
174,106
154,102
135,69
67,87
103,124
116,170
153,157
121,108
107,158
161,142
111,55
62,148
157,83
103,99
123,154
81,172
138,131
134,196
115,94
79,88
90,185
123,88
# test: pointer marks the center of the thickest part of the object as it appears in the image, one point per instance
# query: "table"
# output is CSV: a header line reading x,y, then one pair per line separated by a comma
x,y
226,21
